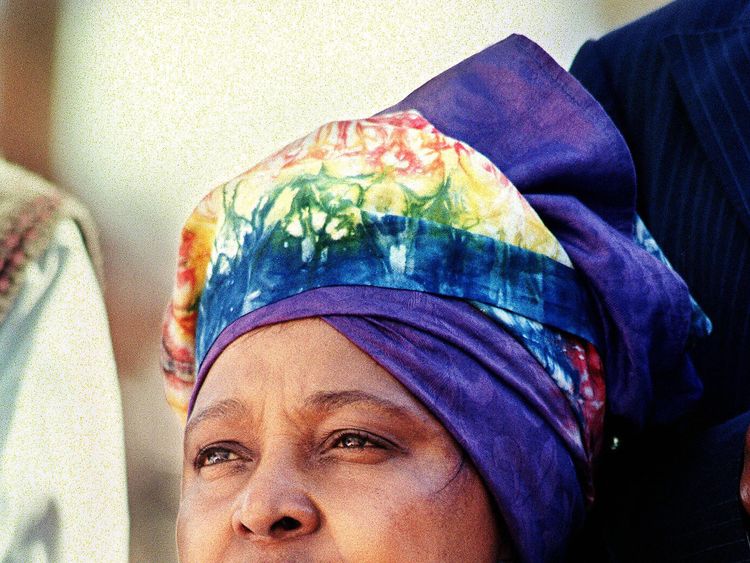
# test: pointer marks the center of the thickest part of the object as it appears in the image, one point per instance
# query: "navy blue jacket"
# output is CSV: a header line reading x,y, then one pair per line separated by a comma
x,y
677,84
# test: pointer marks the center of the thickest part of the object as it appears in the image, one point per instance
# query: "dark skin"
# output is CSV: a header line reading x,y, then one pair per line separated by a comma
x,y
300,448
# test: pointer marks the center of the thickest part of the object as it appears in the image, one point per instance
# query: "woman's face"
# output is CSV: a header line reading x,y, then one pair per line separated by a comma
x,y
302,448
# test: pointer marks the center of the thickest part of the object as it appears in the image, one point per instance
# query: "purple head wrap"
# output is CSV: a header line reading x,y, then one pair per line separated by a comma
x,y
532,119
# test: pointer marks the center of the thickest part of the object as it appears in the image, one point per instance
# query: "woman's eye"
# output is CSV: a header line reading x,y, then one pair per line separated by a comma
x,y
214,456
352,441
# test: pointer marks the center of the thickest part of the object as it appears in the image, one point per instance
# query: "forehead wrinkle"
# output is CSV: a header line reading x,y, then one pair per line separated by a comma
x,y
226,408
326,402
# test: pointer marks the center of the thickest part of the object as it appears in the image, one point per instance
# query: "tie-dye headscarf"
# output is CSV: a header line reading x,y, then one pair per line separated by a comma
x,y
421,251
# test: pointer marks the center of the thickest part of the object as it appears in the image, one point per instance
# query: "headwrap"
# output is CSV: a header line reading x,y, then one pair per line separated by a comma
x,y
402,233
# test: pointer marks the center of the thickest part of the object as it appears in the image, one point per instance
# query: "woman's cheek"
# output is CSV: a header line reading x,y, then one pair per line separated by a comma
x,y
204,523
386,517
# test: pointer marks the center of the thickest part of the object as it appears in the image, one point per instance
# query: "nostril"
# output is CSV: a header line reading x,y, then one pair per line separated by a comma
x,y
286,524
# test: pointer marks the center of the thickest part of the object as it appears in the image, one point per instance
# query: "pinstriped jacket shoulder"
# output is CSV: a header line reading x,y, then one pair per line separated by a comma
x,y
677,84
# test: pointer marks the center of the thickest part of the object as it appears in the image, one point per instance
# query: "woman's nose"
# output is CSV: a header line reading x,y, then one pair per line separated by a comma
x,y
274,506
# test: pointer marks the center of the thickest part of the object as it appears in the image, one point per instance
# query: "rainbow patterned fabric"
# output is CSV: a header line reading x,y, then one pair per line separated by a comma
x,y
390,202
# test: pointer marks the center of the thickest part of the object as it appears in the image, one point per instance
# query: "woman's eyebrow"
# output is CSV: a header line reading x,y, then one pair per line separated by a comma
x,y
322,402
226,408
328,401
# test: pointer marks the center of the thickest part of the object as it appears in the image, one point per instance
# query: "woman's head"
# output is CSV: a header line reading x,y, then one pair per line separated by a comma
x,y
302,448
427,269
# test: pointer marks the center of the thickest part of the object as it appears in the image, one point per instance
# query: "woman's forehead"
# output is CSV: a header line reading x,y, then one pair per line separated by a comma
x,y
299,363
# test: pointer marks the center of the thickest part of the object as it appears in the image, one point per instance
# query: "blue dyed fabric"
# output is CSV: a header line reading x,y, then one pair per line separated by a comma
x,y
442,260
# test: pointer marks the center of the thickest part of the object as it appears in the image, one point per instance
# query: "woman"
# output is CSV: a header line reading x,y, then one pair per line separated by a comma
x,y
385,352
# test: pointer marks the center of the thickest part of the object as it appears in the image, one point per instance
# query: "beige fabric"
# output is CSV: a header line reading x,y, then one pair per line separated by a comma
x,y
62,458
63,494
